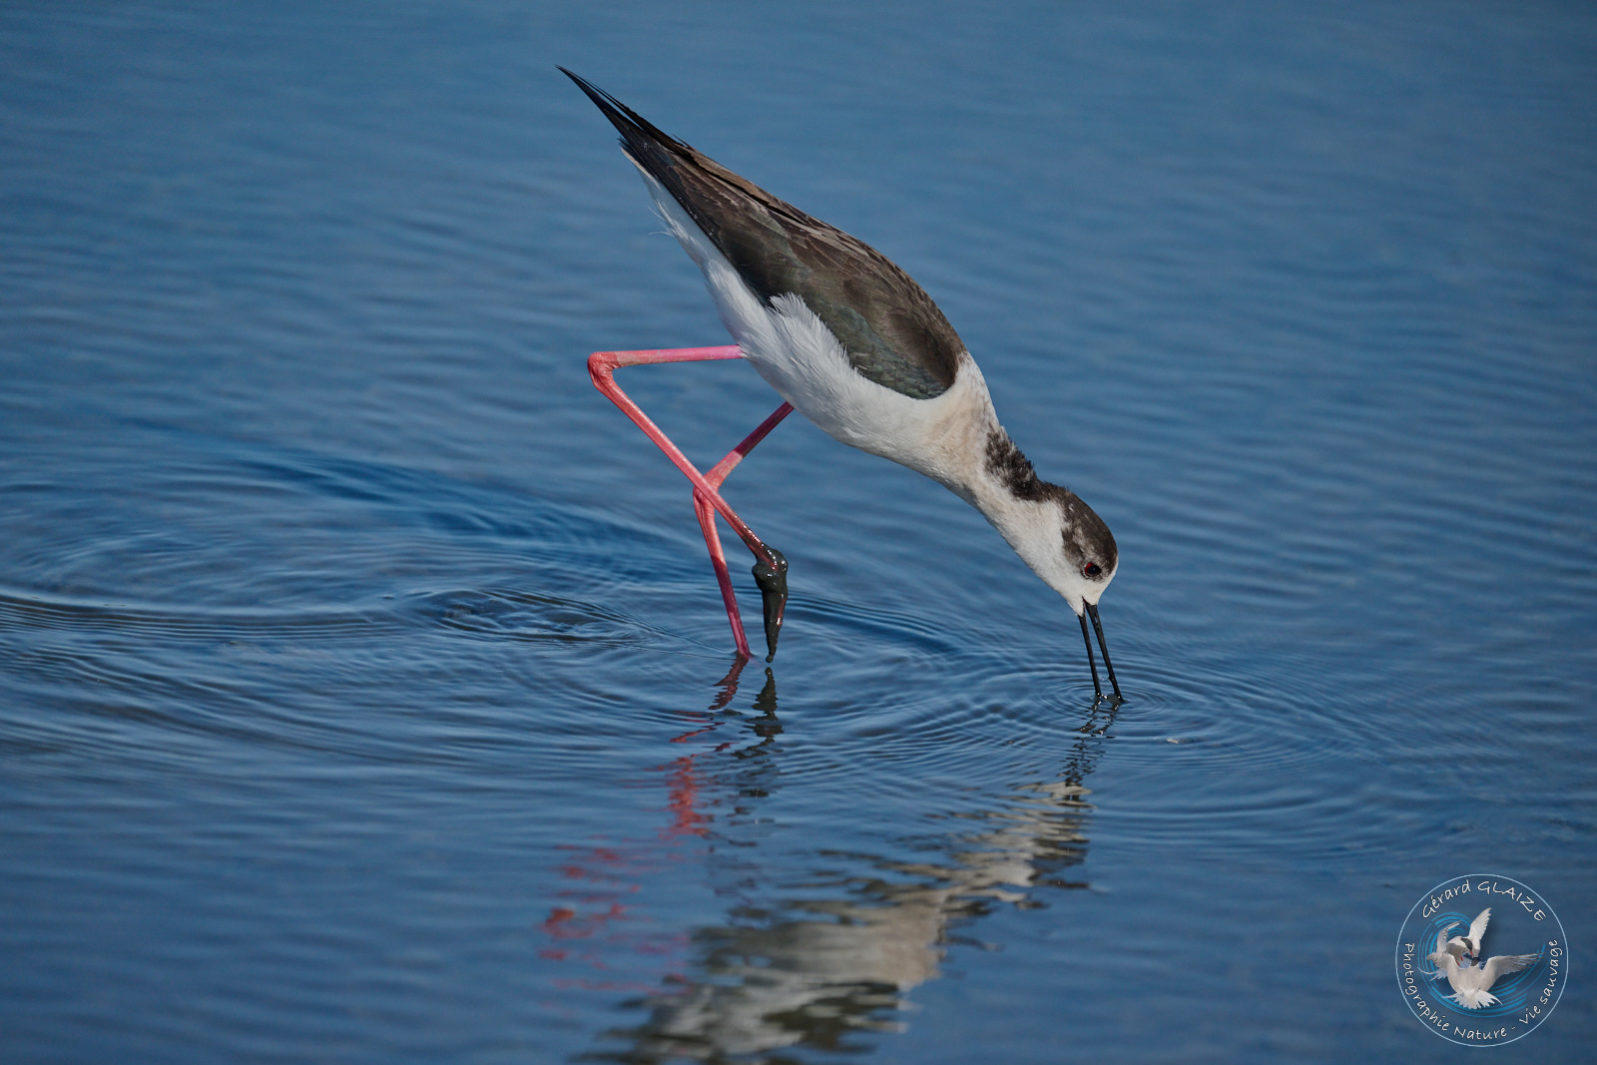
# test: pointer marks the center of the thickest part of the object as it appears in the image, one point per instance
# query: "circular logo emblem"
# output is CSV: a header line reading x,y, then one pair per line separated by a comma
x,y
1482,959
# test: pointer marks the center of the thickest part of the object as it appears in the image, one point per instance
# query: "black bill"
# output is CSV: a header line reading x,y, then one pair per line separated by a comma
x,y
1097,627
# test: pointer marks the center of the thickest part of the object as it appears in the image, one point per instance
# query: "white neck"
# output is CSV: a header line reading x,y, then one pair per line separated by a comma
x,y
964,447
969,452
1028,520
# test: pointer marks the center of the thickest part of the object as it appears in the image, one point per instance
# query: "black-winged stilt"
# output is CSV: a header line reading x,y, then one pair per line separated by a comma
x,y
854,344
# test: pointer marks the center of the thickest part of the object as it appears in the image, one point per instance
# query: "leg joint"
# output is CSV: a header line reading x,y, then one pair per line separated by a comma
x,y
601,366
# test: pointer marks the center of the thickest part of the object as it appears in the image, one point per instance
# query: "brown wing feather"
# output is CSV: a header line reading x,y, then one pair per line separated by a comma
x,y
891,330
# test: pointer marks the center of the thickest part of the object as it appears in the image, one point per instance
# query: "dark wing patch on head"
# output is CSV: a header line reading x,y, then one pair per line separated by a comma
x,y
1087,537
1091,536
1015,472
892,332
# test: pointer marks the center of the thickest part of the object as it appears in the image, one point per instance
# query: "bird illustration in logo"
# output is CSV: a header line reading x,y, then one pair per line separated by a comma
x,y
1458,959
1467,949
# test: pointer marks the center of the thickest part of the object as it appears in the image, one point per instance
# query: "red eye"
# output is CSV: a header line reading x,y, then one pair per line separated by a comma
x,y
1092,571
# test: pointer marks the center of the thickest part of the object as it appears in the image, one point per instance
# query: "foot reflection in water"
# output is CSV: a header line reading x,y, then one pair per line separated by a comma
x,y
818,965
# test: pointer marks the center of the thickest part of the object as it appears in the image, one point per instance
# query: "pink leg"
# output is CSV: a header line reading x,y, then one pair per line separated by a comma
x,y
702,508
770,568
723,577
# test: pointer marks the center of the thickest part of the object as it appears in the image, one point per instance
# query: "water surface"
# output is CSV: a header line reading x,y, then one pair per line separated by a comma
x,y
366,696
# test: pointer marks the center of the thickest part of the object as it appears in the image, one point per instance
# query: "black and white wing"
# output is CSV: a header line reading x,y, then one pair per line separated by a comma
x,y
889,328
1477,929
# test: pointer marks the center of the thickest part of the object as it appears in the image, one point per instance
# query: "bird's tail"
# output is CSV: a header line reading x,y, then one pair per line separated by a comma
x,y
1474,999
648,146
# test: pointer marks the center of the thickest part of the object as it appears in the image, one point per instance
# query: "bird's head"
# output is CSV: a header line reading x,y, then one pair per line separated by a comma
x,y
1082,558
1059,536
1066,544
1082,563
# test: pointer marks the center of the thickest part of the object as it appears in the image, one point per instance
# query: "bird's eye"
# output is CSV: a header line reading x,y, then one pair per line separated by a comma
x,y
1092,571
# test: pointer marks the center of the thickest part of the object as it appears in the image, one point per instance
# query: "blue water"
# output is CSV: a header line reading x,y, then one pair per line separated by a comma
x,y
364,691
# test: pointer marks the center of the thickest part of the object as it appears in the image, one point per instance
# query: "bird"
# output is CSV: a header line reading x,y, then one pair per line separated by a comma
x,y
1469,947
849,340
1472,984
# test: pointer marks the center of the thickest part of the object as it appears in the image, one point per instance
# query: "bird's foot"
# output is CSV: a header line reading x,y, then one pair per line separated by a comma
x,y
771,576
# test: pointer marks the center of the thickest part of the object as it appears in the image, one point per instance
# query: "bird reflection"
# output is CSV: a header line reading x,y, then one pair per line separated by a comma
x,y
826,965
